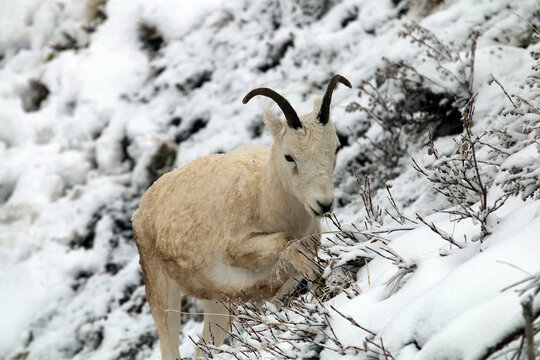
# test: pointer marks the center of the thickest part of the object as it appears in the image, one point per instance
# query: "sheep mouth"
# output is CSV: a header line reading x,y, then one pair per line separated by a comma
x,y
315,212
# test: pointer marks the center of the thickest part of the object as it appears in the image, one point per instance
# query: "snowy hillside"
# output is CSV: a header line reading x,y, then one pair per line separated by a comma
x,y
437,256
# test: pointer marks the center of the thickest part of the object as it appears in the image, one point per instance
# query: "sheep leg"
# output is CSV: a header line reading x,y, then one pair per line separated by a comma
x,y
163,294
257,251
260,250
217,323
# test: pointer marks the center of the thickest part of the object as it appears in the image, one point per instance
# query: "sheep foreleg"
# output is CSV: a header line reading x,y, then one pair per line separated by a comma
x,y
257,251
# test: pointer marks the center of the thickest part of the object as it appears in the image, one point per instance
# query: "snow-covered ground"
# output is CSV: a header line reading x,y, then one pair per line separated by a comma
x,y
95,105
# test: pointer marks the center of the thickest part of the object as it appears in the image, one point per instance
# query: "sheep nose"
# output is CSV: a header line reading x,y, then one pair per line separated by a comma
x,y
326,208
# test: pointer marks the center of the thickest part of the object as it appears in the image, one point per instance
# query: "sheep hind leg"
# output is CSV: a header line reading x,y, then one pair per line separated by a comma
x,y
216,319
164,297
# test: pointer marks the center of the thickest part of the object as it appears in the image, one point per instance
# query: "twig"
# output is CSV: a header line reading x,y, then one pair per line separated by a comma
x,y
527,21
529,330
438,231
352,321
494,79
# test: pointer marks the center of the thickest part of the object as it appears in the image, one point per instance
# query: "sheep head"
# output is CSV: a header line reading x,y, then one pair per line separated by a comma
x,y
305,148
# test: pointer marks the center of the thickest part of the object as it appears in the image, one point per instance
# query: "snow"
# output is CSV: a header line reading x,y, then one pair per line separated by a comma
x,y
118,115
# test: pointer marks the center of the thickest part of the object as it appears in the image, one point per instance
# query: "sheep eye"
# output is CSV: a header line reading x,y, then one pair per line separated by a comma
x,y
289,158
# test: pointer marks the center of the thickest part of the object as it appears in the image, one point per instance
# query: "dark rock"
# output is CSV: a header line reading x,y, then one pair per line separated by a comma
x,y
150,38
196,126
194,82
176,121
34,96
276,52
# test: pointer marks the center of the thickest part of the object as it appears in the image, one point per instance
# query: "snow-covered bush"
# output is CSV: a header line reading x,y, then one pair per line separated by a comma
x,y
404,104
521,173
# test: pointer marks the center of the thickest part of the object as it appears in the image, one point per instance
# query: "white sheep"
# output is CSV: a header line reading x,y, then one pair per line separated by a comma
x,y
217,226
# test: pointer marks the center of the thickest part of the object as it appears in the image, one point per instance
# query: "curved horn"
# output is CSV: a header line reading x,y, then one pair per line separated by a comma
x,y
291,116
324,112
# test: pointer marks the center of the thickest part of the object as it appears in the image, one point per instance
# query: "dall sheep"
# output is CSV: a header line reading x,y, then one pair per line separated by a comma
x,y
224,225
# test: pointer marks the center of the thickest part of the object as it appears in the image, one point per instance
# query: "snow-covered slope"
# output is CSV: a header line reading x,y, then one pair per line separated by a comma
x,y
96,103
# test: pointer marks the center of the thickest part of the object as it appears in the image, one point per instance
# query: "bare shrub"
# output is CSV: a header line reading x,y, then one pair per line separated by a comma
x,y
301,329
523,177
355,246
406,103
464,179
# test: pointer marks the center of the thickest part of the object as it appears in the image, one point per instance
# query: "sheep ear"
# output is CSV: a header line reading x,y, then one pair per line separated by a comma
x,y
273,122
317,105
